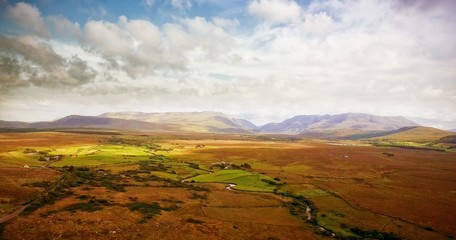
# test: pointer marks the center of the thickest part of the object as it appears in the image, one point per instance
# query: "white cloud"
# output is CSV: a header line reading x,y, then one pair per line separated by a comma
x,y
430,91
28,17
227,24
107,37
132,45
64,28
398,89
181,4
141,49
316,23
275,11
31,61
148,3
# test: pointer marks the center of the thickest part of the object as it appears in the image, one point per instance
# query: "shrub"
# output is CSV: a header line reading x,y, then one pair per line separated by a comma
x,y
270,182
195,221
198,196
148,210
29,150
428,228
91,206
85,207
246,165
194,165
170,208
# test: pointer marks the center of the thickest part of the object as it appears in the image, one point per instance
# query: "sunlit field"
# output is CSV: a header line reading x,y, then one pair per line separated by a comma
x,y
75,186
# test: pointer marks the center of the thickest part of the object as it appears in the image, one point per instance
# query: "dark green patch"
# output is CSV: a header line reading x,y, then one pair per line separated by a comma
x,y
147,210
2,229
194,221
90,206
272,182
170,208
43,184
198,196
48,213
373,234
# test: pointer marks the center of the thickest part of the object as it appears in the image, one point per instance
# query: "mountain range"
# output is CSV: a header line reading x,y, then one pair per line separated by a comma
x,y
320,126
351,121
189,121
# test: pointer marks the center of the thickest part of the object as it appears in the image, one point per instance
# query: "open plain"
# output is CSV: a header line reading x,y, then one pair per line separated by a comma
x,y
125,186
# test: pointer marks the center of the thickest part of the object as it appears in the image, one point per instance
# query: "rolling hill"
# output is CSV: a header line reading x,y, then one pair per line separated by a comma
x,y
13,124
357,122
77,121
415,134
190,121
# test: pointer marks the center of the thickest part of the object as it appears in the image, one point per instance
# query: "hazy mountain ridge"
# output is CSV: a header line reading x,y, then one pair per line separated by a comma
x,y
418,133
13,124
190,121
74,121
354,121
217,122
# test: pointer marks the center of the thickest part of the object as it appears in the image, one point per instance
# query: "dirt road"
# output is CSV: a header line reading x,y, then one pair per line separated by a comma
x,y
13,215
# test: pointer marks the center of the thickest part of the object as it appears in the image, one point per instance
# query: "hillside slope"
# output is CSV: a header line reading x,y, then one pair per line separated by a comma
x,y
13,124
190,121
415,134
77,121
347,121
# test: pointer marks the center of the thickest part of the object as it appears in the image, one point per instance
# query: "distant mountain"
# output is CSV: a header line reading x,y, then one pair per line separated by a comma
x,y
357,122
245,123
451,139
13,124
190,121
415,134
314,126
76,121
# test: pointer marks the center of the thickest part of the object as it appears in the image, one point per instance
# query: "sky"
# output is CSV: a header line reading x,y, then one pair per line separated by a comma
x,y
263,60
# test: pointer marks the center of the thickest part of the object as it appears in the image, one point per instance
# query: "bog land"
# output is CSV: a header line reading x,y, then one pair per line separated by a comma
x,y
70,185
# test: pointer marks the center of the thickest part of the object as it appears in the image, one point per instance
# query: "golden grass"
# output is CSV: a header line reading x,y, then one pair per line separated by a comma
x,y
348,184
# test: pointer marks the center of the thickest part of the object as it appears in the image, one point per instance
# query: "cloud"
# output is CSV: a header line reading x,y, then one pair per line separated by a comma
x,y
148,3
424,5
32,61
429,91
141,49
32,50
318,23
227,24
64,28
181,4
135,46
211,38
10,73
275,11
28,17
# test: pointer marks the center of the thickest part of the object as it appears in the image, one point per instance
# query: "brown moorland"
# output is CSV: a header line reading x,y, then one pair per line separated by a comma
x,y
354,190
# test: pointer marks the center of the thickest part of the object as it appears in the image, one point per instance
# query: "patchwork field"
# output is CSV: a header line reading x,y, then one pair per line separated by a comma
x,y
90,186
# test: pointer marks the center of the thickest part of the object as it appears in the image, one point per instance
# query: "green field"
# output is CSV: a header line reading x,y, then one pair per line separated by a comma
x,y
101,155
244,180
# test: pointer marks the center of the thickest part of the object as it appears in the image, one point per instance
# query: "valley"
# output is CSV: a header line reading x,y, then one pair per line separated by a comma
x,y
137,185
